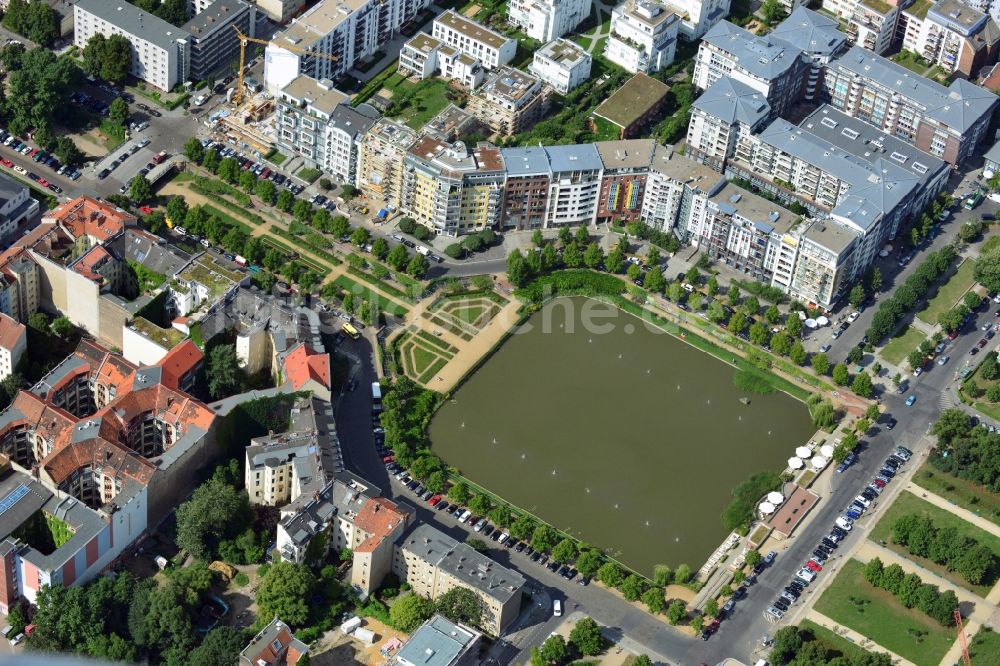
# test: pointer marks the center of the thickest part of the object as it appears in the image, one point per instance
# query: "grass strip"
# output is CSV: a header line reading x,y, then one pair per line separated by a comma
x,y
380,284
361,291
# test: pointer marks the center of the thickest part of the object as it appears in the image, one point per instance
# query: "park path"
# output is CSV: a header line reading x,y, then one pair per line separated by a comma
x,y
856,638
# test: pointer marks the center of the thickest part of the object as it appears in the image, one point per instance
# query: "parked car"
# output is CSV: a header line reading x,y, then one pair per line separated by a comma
x,y
912,399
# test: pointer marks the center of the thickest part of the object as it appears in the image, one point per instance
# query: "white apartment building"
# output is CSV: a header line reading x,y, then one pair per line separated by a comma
x,y
643,35
870,23
13,344
718,117
380,160
16,206
699,16
562,64
575,184
487,46
344,31
671,186
160,51
423,56
279,11
546,20
952,35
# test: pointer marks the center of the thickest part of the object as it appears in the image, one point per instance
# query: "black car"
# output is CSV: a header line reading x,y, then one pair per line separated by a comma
x,y
869,494
890,424
797,586
104,174
751,579
829,543
758,567
889,462
792,591
543,559
552,566
740,592
520,546
780,604
488,530
536,556
887,471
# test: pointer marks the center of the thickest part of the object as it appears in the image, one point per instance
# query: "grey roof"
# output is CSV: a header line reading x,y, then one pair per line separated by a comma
x,y
22,496
580,157
870,144
462,562
959,106
830,235
766,57
353,121
698,177
345,494
626,153
767,216
151,251
438,642
218,14
958,16
993,154
134,21
529,161
811,32
732,101
9,189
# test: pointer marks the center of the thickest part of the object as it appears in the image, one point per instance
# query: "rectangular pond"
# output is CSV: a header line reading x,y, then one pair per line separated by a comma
x,y
619,434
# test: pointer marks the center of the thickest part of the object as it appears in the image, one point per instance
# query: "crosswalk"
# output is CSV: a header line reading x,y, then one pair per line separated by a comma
x,y
946,400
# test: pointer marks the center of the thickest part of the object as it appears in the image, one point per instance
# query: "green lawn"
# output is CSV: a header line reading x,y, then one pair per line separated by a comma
x,y
950,293
606,130
985,648
907,503
899,347
963,493
852,602
275,157
427,100
832,642
309,174
361,291
582,41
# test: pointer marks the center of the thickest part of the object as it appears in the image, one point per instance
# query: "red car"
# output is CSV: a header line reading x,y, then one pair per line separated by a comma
x,y
434,500
34,152
7,163
814,566
43,182
266,173
389,458
879,482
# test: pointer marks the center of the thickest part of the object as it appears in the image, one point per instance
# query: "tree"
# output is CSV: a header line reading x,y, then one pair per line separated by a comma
x,y
140,191
67,152
229,171
716,312
118,112
554,649
737,322
265,189
632,588
459,493
676,611
397,257
772,11
857,295
537,238
841,376
480,504
794,326
62,326
380,248
682,574
211,161
302,210
284,592
588,562
593,256
543,538
610,574
654,281
522,527
221,646
862,385
586,636
417,267
571,255
12,54
772,314
460,604
712,608
216,511
781,343
654,600
987,269
564,552
759,335
410,612
798,353
582,235
39,321
224,374
193,150
753,558
633,272
248,181
820,363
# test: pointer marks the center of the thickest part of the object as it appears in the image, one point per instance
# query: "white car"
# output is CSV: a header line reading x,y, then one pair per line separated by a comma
x,y
864,500
20,169
17,639
199,100
557,608
853,316
844,524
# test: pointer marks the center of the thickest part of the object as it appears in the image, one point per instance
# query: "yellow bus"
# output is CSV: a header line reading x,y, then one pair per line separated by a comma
x,y
351,331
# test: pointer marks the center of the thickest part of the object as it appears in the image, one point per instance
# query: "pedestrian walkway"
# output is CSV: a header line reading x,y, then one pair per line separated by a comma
x,y
855,637
964,514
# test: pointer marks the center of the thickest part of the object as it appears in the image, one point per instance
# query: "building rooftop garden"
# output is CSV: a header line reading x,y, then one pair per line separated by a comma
x,y
166,337
210,274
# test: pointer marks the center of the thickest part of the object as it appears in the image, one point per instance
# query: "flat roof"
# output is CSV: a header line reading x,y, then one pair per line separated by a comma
x,y
811,32
961,18
574,157
317,22
764,56
790,514
564,52
509,84
626,154
218,14
734,102
318,94
529,161
20,498
134,21
830,235
696,176
437,642
423,42
472,29
633,100
766,215
650,12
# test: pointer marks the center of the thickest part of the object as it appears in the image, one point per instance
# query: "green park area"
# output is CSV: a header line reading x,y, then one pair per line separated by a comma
x,y
420,355
852,602
367,293
960,492
834,644
417,103
950,293
984,649
900,346
907,503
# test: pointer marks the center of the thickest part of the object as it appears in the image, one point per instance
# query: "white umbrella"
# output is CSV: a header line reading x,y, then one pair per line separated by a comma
x,y
766,508
826,450
819,462
888,248
774,497
810,323
803,452
822,321
883,253
802,315
795,463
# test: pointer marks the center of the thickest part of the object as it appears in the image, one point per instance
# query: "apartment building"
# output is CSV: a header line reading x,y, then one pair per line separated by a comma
x,y
546,20
699,16
816,264
13,344
17,206
773,67
952,35
160,51
673,184
424,56
718,117
213,41
344,31
487,46
510,101
441,642
643,35
991,7
274,645
625,167
562,65
279,11
380,160
872,24
451,189
819,39
947,122
434,563
526,188
574,185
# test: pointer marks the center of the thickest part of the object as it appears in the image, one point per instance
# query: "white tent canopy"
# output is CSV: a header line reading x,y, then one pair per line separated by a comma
x,y
810,323
822,321
819,462
803,452
774,497
795,463
766,508
826,450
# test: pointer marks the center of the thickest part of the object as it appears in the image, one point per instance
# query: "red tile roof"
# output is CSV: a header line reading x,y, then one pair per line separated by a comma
x,y
303,364
378,518
86,216
10,331
179,361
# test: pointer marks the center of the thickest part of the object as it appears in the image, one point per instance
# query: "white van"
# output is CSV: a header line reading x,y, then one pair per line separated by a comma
x,y
503,538
844,523
465,516
557,608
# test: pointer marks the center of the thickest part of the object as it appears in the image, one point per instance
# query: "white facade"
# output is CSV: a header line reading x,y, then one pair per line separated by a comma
x,y
490,48
870,23
13,343
698,16
423,56
160,51
643,35
546,20
562,64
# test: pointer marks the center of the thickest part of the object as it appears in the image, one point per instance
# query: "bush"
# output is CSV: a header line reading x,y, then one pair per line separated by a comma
x,y
242,579
740,511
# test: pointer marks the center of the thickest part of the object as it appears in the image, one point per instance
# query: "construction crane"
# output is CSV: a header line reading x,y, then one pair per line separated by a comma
x,y
961,637
246,39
